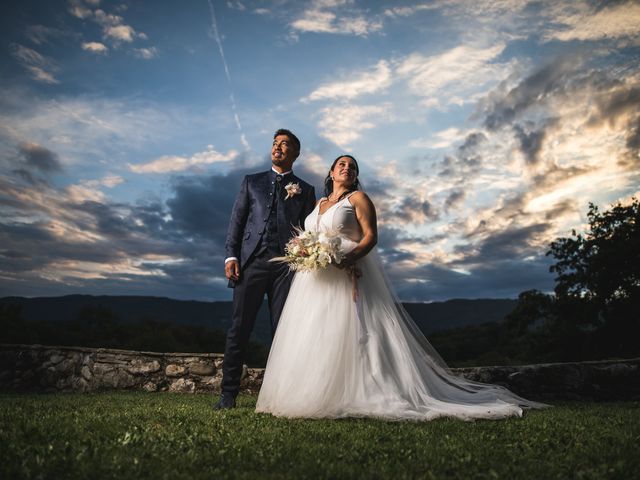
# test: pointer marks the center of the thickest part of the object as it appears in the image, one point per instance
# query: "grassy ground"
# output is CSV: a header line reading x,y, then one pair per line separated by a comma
x,y
151,435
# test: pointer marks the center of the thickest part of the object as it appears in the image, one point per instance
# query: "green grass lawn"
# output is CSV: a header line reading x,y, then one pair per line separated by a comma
x,y
153,435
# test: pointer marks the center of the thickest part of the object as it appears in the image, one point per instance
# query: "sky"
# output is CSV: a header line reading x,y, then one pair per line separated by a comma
x,y
483,129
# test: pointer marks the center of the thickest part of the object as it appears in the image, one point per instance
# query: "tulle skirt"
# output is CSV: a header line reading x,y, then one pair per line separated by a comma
x,y
334,357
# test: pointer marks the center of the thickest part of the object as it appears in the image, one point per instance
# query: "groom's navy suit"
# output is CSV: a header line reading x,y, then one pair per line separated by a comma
x,y
261,224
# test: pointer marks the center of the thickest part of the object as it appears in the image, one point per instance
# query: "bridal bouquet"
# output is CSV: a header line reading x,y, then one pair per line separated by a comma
x,y
309,251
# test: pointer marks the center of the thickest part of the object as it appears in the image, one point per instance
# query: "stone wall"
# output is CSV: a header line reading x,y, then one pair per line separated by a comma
x,y
38,368
595,380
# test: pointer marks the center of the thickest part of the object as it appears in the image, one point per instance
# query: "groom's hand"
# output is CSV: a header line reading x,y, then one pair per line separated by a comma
x,y
232,270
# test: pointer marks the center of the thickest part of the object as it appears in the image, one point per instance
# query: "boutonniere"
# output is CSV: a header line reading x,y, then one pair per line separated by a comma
x,y
292,189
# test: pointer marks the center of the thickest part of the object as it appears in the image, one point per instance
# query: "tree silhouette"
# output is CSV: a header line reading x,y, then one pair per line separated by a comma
x,y
598,276
604,263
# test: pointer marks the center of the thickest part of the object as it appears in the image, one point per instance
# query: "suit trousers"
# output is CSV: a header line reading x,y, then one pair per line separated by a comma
x,y
258,278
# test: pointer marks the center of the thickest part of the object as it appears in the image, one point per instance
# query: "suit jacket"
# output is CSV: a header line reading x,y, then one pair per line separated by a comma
x,y
252,208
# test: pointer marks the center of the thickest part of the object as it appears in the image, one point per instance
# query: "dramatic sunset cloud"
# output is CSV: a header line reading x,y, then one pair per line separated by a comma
x,y
482,129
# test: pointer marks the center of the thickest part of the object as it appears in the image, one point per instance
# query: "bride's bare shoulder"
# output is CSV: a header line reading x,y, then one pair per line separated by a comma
x,y
359,196
361,200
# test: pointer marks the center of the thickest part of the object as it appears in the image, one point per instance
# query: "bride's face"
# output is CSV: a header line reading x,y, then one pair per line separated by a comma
x,y
345,171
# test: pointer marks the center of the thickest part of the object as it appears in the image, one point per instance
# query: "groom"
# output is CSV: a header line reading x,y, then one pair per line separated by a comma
x,y
268,205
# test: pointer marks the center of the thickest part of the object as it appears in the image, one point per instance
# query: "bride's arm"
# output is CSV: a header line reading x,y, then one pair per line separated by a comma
x,y
366,215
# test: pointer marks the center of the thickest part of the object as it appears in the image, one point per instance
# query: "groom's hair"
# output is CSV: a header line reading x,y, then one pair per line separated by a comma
x,y
288,133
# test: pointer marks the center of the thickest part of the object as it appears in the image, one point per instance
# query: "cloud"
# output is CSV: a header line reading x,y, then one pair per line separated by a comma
x,y
343,124
633,143
586,22
415,210
489,264
79,9
320,19
316,21
41,34
108,181
39,157
408,11
114,28
236,5
107,19
482,8
82,194
501,280
516,242
620,106
521,221
75,237
25,175
201,206
472,141
95,47
564,103
87,129
454,200
541,144
443,139
444,265
173,163
123,33
494,21
546,145
359,83
448,78
501,108
551,142
467,158
40,67
391,247
531,139
452,76
146,53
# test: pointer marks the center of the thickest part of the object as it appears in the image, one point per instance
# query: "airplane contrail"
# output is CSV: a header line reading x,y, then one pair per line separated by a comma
x,y
216,36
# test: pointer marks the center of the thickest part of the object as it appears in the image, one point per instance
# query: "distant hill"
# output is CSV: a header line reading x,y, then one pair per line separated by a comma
x,y
441,316
430,317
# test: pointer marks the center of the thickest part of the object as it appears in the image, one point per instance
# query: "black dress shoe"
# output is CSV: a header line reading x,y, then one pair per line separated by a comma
x,y
225,402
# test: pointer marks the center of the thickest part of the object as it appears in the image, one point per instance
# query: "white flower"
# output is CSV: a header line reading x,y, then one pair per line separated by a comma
x,y
324,258
310,250
292,189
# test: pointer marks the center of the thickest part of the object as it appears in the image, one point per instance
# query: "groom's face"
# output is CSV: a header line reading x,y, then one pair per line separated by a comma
x,y
283,152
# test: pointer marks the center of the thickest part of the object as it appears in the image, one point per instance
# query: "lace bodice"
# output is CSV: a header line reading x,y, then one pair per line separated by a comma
x,y
341,217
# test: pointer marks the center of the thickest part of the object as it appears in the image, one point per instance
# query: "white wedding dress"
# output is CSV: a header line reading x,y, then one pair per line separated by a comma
x,y
332,357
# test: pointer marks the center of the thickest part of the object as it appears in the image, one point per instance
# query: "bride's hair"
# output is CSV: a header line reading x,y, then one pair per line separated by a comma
x,y
328,182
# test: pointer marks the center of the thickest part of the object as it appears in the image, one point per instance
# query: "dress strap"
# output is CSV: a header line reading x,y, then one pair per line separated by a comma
x,y
349,196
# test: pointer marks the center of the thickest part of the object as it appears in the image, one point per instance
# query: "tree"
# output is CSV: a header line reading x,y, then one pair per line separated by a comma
x,y
604,263
598,275
534,310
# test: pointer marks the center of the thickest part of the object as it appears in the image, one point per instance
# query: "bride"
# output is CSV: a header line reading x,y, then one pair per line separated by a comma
x,y
347,348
